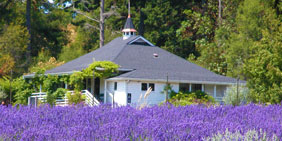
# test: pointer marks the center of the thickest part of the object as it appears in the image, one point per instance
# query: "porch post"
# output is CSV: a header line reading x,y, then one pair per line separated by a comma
x,y
40,89
203,87
105,91
214,91
190,87
93,86
28,100
35,102
86,81
66,86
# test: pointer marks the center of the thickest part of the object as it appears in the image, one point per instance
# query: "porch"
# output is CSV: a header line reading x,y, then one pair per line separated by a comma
x,y
214,90
93,90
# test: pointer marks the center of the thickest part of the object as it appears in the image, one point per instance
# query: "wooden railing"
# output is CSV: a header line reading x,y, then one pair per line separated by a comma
x,y
90,100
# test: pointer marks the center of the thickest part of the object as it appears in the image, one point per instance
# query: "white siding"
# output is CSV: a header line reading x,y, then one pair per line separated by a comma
x,y
155,97
110,89
119,94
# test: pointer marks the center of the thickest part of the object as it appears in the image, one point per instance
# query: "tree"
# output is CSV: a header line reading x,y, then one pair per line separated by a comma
x,y
264,68
13,45
249,25
28,25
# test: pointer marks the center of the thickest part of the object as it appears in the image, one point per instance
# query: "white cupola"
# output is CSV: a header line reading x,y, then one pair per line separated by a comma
x,y
128,29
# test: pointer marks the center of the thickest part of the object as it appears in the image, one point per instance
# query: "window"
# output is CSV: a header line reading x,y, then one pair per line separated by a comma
x,y
144,87
129,98
115,87
131,33
184,87
152,85
196,87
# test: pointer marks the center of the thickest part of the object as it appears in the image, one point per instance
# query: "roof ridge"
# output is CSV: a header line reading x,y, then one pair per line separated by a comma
x,y
124,48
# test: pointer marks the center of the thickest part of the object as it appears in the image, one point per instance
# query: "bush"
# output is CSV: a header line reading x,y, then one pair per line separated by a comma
x,y
3,95
197,97
251,135
231,95
59,93
23,89
75,98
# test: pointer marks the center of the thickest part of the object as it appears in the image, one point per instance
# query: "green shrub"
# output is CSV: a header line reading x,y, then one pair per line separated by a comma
x,y
52,97
76,97
3,95
197,97
23,89
60,93
230,97
251,135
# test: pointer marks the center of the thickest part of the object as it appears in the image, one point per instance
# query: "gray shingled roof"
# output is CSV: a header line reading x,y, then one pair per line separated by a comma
x,y
140,58
129,24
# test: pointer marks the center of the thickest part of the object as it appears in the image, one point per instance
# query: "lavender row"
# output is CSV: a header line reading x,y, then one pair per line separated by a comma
x,y
127,123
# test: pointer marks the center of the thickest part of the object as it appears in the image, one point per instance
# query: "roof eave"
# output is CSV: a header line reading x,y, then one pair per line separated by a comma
x,y
173,81
67,73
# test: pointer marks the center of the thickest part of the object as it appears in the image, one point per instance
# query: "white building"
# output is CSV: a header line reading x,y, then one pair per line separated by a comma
x,y
143,65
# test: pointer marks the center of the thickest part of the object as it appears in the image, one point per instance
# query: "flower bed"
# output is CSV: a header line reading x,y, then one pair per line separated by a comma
x,y
126,123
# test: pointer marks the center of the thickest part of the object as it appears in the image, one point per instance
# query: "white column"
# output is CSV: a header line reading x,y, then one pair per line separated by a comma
x,y
66,86
203,87
105,91
35,101
86,83
190,87
214,91
92,86
28,101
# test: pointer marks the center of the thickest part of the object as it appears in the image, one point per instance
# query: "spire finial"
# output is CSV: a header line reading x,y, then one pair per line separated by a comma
x,y
128,8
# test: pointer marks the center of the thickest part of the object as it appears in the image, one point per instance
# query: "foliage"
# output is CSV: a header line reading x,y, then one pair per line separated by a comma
x,y
127,123
3,95
264,69
231,98
51,63
76,97
60,93
7,63
50,85
13,44
169,90
108,69
248,136
76,79
183,99
23,89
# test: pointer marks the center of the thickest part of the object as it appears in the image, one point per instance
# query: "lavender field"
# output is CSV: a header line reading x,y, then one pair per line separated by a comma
x,y
126,123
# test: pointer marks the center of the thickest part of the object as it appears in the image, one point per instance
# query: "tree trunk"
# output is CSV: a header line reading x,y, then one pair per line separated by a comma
x,y
219,12
28,25
276,6
102,36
